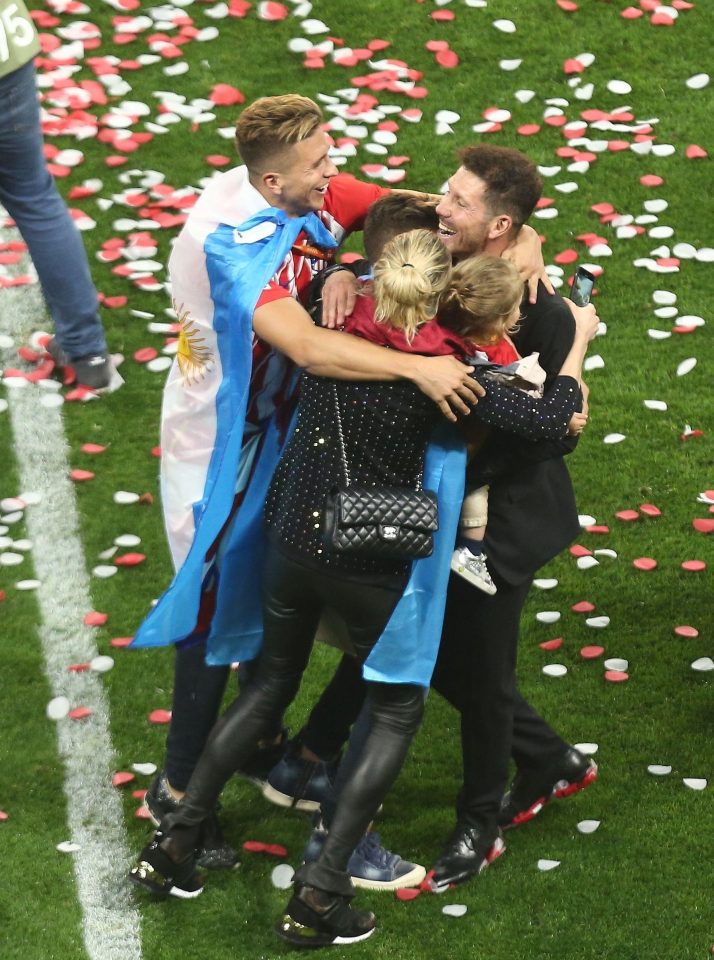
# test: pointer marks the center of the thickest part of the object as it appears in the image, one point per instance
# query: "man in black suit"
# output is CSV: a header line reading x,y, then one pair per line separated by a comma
x,y
532,517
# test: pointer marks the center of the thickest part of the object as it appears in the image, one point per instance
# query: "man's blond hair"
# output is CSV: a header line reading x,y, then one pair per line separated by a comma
x,y
271,124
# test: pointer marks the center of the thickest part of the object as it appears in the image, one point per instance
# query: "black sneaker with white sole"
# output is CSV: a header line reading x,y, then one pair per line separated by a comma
x,y
93,370
214,853
156,872
314,918
467,853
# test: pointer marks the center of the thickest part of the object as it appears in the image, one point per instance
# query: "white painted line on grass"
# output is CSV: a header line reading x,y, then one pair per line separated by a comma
x,y
111,922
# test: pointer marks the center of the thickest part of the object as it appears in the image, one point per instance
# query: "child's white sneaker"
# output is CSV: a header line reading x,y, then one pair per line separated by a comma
x,y
472,567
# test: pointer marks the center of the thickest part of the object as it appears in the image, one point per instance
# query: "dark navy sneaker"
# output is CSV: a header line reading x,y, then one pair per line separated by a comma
x,y
93,370
467,853
371,866
156,872
215,853
314,918
531,790
298,783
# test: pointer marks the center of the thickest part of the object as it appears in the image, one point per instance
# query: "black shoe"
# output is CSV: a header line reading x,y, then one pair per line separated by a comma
x,y
314,918
214,853
531,790
467,853
156,872
93,370
257,767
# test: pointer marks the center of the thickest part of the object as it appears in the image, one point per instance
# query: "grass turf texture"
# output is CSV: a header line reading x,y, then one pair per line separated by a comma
x,y
636,887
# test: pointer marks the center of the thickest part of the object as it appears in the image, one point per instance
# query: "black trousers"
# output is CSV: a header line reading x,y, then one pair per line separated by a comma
x,y
476,673
293,601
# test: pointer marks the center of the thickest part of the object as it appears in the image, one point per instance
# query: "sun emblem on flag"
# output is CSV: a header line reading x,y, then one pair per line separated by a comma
x,y
194,357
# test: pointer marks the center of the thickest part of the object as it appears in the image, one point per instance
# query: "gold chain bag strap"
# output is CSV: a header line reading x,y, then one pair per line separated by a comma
x,y
379,522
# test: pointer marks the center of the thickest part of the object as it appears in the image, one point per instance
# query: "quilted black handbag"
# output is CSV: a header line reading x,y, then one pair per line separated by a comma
x,y
379,522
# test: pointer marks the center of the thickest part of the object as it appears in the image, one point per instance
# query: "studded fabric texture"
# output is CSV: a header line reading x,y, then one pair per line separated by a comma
x,y
382,521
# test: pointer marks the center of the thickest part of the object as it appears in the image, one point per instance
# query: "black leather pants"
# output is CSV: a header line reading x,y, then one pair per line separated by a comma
x,y
293,601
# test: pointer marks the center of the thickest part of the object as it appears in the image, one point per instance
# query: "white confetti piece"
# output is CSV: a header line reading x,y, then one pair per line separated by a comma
x,y
614,438
159,364
505,26
546,583
598,623
127,540
659,334
57,708
686,366
125,496
703,664
705,255
27,584
454,910
104,571
620,87
9,558
586,563
546,865
67,846
101,664
446,116
596,362
555,670
655,405
605,552
588,826
694,783
698,81
588,748
282,876
51,400
664,298
509,65
616,663
659,769
548,616
690,320
525,96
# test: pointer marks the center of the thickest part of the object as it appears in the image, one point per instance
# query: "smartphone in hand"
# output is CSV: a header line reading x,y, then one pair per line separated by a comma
x,y
582,287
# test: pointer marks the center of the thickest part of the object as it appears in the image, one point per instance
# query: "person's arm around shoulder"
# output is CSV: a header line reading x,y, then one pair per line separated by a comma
x,y
287,327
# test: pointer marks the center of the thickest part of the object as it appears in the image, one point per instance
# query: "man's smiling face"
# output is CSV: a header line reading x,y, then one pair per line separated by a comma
x,y
465,221
304,174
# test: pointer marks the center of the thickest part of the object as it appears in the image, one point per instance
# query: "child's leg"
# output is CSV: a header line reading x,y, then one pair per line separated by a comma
x,y
474,516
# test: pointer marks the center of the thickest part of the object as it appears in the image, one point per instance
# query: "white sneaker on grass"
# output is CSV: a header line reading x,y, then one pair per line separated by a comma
x,y
472,567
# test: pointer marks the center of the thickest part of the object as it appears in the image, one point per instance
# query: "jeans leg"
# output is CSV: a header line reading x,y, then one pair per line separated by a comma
x,y
28,192
198,692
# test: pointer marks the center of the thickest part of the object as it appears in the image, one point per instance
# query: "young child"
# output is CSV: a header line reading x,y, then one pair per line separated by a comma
x,y
482,304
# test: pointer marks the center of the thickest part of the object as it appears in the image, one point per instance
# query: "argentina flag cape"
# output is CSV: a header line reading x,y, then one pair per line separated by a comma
x,y
239,262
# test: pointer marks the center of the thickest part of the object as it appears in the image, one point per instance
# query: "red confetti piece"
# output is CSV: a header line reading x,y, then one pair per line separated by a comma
x,y
566,256
129,559
592,652
156,451
410,893
694,152
224,95
528,129
92,448
631,13
141,813
77,668
627,515
616,676
583,606
597,528
573,66
114,302
567,5
81,475
651,180
577,550
120,641
95,619
443,15
650,510
694,566
258,846
218,160
644,563
703,525
145,354
121,778
686,631
551,644
447,59
160,716
79,713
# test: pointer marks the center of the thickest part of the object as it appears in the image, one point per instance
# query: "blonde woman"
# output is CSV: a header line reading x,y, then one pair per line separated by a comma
x,y
383,430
